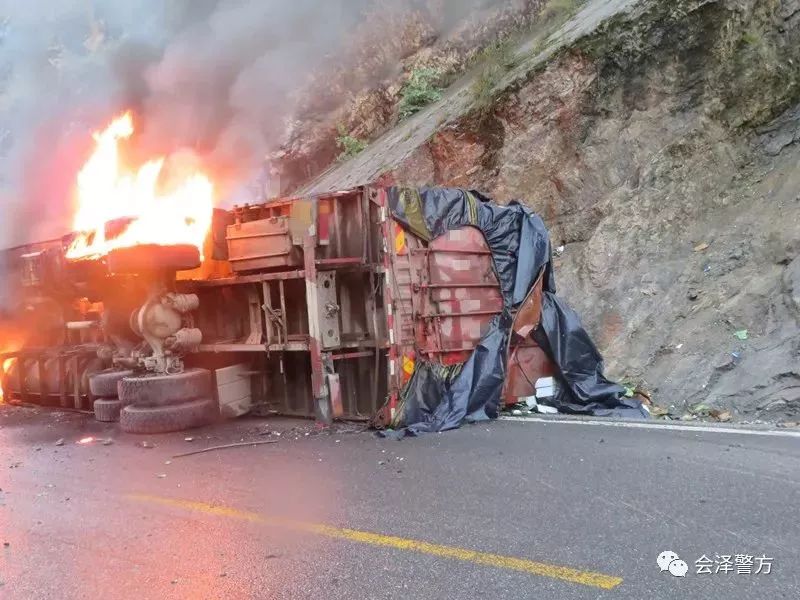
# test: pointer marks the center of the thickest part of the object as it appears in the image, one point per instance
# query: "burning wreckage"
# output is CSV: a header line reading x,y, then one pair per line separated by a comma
x,y
415,309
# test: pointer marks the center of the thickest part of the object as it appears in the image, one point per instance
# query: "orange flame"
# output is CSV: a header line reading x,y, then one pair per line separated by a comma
x,y
12,338
108,190
4,368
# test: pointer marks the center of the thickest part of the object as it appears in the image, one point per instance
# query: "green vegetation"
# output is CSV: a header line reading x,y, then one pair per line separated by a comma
x,y
500,53
495,60
751,38
349,145
483,89
498,59
419,91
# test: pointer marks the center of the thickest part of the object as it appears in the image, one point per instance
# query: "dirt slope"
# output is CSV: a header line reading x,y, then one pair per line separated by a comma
x,y
659,140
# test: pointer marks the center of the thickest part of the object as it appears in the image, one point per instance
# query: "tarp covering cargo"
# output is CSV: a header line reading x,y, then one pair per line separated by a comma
x,y
439,397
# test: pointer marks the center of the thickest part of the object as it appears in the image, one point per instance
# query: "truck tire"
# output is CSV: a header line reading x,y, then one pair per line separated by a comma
x,y
106,410
163,390
149,418
153,257
104,383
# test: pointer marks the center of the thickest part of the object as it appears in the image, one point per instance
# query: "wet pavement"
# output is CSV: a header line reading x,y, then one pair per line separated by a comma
x,y
499,510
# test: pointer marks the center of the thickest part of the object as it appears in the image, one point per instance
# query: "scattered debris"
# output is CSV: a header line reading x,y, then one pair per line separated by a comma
x,y
546,410
236,445
146,444
59,442
559,251
545,388
701,246
720,415
658,411
741,334
108,442
84,441
188,439
692,294
167,462
161,475
788,424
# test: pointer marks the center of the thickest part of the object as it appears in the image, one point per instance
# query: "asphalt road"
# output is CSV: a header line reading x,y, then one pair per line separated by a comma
x,y
501,510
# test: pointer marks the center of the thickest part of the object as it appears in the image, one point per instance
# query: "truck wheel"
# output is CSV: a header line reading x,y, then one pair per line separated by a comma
x,y
163,390
149,418
153,257
106,410
104,383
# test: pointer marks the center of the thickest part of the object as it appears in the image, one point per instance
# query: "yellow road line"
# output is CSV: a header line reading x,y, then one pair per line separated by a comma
x,y
499,561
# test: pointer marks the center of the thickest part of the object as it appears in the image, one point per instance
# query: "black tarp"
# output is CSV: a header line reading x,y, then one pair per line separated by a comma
x,y
438,398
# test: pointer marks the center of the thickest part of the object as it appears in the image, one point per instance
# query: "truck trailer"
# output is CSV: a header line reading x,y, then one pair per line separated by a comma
x,y
320,307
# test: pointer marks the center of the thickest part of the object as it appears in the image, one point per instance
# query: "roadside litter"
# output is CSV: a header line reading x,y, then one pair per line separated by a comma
x,y
225,447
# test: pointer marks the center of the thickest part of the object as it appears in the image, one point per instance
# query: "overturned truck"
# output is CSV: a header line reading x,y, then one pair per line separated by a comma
x,y
408,308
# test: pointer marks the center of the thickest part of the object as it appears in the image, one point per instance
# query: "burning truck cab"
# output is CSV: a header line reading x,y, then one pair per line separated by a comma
x,y
319,306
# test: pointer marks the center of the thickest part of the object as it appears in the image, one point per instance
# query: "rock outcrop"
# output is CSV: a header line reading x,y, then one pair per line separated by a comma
x,y
660,141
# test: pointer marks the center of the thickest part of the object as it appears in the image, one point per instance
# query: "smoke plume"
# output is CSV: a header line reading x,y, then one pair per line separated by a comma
x,y
219,78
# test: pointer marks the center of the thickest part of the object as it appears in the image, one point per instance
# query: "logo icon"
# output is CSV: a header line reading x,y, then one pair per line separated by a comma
x,y
669,561
678,568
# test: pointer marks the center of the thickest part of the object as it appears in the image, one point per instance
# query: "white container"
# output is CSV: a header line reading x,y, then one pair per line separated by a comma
x,y
234,389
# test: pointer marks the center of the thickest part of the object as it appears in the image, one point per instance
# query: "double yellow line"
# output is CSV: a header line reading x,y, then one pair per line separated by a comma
x,y
589,578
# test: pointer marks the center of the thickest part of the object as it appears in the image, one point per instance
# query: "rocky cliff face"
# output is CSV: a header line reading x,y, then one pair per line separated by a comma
x,y
358,92
659,141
